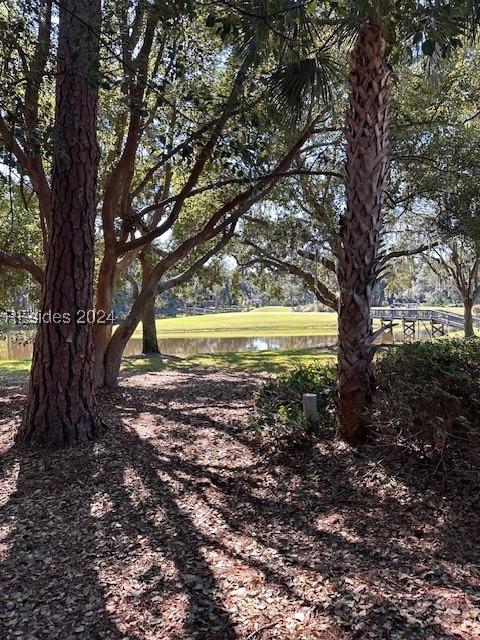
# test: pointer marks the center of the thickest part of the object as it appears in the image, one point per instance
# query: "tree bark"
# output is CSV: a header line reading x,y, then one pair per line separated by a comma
x,y
123,333
103,308
61,408
149,336
367,134
149,328
468,318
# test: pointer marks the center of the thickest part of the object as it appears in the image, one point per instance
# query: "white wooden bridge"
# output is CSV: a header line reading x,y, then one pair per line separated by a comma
x,y
439,321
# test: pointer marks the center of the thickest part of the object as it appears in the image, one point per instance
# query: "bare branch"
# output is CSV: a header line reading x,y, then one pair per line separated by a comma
x,y
401,253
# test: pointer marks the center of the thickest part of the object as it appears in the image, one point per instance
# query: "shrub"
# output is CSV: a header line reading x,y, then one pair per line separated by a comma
x,y
428,396
428,400
279,405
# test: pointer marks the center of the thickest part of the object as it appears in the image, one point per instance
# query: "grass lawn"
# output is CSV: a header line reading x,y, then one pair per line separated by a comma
x,y
255,361
13,367
458,310
260,323
264,322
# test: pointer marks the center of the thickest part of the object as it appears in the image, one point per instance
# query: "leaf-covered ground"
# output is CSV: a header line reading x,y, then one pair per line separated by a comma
x,y
177,526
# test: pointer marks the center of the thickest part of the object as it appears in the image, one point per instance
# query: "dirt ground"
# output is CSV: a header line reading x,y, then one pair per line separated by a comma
x,y
177,525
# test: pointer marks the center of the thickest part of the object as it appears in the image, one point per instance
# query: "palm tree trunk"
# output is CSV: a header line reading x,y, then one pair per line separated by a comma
x,y
367,134
61,408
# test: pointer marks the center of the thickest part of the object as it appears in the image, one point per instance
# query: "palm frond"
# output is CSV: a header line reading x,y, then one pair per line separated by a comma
x,y
297,85
279,26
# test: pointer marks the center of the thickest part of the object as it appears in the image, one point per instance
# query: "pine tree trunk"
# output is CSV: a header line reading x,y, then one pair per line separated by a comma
x,y
61,408
468,318
367,134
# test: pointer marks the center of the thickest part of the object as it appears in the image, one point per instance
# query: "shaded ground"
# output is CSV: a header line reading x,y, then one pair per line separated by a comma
x,y
176,527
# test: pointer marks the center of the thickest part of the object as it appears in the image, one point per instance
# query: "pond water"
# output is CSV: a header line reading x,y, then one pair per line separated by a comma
x,y
18,345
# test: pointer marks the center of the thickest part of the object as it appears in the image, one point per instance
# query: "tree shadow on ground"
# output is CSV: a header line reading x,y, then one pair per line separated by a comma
x,y
74,514
176,527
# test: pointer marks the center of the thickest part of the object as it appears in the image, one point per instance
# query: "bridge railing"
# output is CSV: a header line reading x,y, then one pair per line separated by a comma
x,y
405,313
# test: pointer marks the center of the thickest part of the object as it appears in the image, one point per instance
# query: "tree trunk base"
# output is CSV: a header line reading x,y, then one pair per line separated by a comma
x,y
150,349
59,434
356,434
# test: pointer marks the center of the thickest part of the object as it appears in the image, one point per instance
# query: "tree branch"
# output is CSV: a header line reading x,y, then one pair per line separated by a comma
x,y
23,263
321,292
247,197
198,264
407,252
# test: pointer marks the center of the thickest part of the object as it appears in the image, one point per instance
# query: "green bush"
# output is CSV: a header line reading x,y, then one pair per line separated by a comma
x,y
428,399
428,396
279,405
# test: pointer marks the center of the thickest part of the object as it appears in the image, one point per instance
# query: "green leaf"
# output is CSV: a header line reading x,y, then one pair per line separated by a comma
x,y
311,7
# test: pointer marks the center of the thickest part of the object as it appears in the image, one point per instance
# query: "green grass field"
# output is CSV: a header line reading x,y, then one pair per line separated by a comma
x,y
458,310
260,323
253,361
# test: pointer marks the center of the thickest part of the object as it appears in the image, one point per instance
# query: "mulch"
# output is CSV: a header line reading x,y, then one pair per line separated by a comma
x,y
179,525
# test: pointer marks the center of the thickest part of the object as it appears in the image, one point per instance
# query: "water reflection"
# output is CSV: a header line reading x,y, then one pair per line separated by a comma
x,y
14,347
